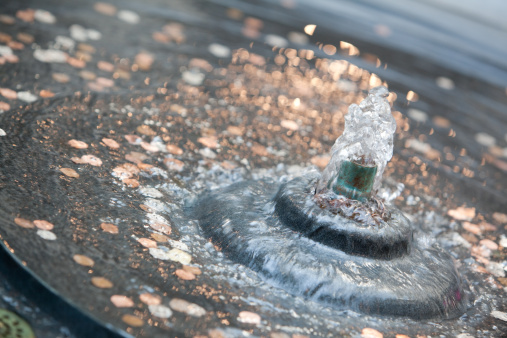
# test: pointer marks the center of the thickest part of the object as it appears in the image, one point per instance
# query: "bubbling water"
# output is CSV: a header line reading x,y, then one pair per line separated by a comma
x,y
367,138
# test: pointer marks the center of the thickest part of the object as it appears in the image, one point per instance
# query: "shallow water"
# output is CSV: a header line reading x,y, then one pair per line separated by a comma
x,y
260,112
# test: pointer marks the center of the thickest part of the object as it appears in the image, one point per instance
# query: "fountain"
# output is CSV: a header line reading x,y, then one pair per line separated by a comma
x,y
330,238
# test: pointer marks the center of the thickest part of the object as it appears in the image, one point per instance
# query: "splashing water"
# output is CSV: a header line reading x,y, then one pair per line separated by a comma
x,y
367,138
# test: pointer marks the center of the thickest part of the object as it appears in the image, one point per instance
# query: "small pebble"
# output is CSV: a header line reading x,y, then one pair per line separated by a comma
x,y
131,182
219,51
193,78
297,38
64,42
145,130
160,311
159,253
174,164
193,269
78,32
175,150
44,16
69,172
50,55
24,223
27,97
76,63
185,275
8,93
43,225
132,320
462,213
190,309
207,152
500,217
128,16
159,237
111,143
77,144
48,235
417,115
87,75
83,260
475,229
60,77
2,132
4,106
320,161
121,301
499,315
144,60
489,244
276,41
26,15
210,142
150,299
291,125
105,66
371,333
444,82
89,159
485,139
25,38
248,317
105,82
148,243
44,93
15,45
108,227
101,282
105,8
7,19
93,34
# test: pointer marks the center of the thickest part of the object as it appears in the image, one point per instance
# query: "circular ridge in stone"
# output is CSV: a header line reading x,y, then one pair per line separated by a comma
x,y
296,209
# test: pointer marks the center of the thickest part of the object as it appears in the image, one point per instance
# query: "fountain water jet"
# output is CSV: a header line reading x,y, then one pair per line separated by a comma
x,y
329,238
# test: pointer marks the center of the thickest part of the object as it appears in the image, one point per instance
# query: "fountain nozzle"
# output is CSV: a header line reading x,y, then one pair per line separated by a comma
x,y
354,180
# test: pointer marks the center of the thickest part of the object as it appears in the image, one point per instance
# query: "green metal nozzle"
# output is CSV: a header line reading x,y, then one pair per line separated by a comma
x,y
354,180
